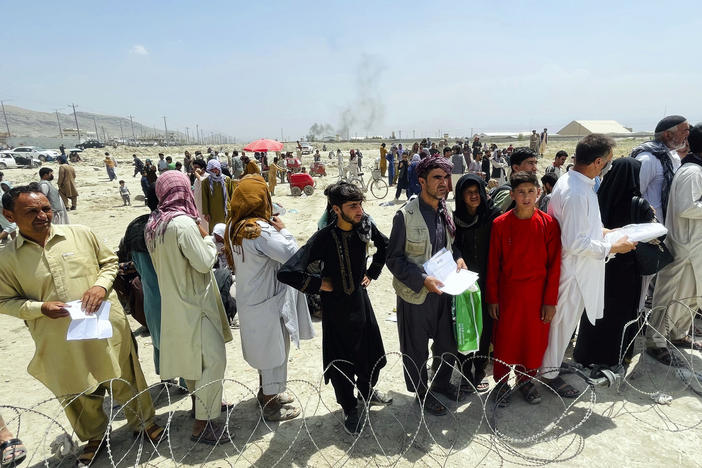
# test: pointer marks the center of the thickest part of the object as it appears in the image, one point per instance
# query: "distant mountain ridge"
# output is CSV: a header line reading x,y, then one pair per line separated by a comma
x,y
30,123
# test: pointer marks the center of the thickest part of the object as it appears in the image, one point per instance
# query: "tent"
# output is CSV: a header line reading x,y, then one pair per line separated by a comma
x,y
586,127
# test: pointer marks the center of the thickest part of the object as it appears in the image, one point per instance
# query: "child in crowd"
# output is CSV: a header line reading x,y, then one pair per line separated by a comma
x,y
522,287
124,191
548,180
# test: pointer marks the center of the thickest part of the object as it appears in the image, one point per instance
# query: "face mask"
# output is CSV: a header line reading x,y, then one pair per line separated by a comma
x,y
598,182
606,168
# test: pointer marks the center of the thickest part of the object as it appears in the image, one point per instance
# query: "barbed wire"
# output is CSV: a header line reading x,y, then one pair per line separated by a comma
x,y
494,430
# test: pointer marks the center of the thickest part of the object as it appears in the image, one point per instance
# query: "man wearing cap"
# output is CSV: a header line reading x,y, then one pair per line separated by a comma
x,y
673,313
659,161
420,229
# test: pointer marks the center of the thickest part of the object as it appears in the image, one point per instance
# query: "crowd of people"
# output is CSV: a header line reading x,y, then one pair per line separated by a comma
x,y
545,268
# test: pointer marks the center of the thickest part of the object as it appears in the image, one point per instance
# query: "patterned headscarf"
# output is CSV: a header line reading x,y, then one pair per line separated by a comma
x,y
251,202
175,198
423,168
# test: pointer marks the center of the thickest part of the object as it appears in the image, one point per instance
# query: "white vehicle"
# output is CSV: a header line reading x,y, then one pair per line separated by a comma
x,y
37,153
307,148
7,161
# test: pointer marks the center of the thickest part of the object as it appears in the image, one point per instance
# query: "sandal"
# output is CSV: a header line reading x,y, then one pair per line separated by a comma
x,y
563,388
283,398
687,343
503,395
483,386
211,434
91,450
13,452
431,404
154,433
530,393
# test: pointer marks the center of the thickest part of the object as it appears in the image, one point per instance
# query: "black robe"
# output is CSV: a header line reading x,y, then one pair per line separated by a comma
x,y
608,343
349,328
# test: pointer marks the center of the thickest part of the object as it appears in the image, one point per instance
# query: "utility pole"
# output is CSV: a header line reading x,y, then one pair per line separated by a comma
x,y
97,135
400,132
120,130
7,125
166,127
281,135
76,117
187,135
413,134
104,133
59,124
132,123
197,128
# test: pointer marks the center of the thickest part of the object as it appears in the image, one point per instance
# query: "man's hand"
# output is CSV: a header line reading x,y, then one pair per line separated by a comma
x,y
547,313
207,217
460,265
92,299
365,281
623,245
494,311
277,223
433,284
327,285
203,232
54,309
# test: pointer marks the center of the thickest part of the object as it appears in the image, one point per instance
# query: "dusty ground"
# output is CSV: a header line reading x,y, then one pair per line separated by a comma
x,y
604,428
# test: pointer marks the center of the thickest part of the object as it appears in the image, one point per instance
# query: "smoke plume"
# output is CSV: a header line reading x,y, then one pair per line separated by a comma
x,y
367,110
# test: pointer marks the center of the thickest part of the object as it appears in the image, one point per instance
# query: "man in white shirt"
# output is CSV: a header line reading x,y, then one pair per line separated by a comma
x,y
659,161
673,313
584,250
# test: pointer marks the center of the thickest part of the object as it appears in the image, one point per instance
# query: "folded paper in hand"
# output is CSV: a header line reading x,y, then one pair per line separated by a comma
x,y
643,232
442,267
89,327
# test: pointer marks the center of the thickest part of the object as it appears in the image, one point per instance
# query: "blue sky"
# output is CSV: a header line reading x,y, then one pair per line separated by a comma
x,y
249,69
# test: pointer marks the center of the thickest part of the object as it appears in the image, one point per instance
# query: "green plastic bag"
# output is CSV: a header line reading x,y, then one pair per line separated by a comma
x,y
466,311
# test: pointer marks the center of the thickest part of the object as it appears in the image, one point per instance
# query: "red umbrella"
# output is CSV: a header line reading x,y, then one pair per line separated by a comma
x,y
264,145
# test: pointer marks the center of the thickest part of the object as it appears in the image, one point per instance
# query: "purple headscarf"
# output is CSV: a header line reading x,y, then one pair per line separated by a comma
x,y
175,198
214,164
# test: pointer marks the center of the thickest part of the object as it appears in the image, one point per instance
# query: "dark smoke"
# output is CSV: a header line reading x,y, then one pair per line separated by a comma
x,y
318,131
367,110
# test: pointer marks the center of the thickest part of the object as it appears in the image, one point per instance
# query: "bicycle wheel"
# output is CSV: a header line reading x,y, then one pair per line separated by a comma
x,y
379,188
358,183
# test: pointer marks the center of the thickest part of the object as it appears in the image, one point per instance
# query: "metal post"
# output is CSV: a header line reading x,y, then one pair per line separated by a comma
x,y
97,135
197,129
7,125
59,124
76,117
120,130
166,127
187,135
132,123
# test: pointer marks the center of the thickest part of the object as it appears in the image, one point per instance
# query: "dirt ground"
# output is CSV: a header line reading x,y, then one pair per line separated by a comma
x,y
604,427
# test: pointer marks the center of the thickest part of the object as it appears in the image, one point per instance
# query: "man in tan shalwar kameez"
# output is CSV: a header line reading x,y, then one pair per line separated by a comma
x,y
41,270
67,183
194,325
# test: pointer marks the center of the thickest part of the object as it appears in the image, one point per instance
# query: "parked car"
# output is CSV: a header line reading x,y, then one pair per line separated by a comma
x,y
37,153
90,144
306,148
24,159
7,161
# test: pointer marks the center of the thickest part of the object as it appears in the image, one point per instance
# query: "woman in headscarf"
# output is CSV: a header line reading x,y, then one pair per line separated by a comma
x,y
270,312
473,217
607,343
194,324
250,166
216,192
414,188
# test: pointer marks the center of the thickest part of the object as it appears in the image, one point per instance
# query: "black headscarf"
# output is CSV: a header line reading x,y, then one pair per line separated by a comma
x,y
692,158
619,186
134,236
487,211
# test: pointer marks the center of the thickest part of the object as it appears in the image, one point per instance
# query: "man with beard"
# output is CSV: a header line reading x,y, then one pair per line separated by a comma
x,y
659,162
352,347
679,284
420,229
47,188
575,206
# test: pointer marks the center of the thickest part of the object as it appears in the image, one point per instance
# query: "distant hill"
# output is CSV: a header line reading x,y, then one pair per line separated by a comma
x,y
29,124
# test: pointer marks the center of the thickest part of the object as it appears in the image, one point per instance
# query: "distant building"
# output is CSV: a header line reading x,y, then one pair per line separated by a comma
x,y
581,128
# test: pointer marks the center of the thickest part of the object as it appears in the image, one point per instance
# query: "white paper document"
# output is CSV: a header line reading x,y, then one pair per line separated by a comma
x,y
442,266
637,232
89,327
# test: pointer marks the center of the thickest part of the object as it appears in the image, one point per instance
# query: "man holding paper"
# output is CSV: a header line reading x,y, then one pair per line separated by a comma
x,y
41,270
420,229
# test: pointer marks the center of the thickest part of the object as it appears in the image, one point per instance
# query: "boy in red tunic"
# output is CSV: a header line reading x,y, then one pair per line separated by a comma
x,y
522,287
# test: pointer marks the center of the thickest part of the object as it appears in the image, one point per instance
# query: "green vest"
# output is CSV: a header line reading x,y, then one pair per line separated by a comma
x,y
417,249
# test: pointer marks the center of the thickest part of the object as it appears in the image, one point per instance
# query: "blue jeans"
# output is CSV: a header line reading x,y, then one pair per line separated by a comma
x,y
391,171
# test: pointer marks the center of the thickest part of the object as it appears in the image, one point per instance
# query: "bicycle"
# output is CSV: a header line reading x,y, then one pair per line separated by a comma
x,y
376,183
